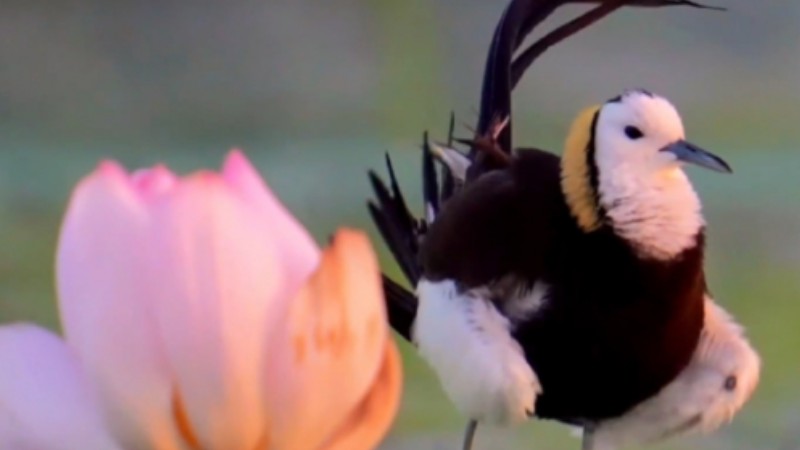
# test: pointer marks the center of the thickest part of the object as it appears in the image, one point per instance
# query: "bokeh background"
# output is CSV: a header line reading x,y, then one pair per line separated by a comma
x,y
315,93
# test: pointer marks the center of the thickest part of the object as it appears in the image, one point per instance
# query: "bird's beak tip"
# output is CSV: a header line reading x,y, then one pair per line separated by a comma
x,y
689,153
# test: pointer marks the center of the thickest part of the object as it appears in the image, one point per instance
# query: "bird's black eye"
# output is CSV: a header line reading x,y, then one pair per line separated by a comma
x,y
633,133
730,383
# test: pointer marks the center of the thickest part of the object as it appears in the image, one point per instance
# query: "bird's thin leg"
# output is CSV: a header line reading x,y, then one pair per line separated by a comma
x,y
469,434
588,438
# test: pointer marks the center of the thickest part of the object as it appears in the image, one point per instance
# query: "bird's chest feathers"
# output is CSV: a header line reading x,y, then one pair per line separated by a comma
x,y
658,212
660,215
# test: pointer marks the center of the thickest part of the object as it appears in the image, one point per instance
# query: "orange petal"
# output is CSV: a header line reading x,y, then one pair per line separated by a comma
x,y
324,360
370,421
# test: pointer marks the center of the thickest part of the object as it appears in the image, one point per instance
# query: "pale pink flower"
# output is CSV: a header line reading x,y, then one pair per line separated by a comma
x,y
198,314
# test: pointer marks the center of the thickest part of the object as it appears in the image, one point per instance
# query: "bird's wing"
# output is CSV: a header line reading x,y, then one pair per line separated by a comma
x,y
500,225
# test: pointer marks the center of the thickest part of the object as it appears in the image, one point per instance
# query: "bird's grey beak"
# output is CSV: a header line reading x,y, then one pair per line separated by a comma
x,y
689,153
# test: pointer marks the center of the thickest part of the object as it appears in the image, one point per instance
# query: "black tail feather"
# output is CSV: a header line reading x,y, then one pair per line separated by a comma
x,y
660,3
519,18
524,60
430,181
401,306
396,225
401,233
448,180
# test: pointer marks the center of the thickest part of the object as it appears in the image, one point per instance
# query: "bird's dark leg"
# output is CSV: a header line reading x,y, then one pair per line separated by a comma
x,y
469,434
588,438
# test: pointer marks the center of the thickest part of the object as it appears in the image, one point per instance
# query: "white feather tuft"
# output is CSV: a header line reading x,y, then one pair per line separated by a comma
x,y
480,366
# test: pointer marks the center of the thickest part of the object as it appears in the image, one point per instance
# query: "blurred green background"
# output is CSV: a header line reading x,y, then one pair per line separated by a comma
x,y
315,93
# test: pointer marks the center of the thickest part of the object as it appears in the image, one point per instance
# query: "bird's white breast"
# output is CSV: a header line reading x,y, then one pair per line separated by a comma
x,y
479,364
660,215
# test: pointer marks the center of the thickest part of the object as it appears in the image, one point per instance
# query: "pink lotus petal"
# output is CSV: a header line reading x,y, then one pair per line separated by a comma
x,y
153,182
221,284
180,296
104,257
299,252
45,398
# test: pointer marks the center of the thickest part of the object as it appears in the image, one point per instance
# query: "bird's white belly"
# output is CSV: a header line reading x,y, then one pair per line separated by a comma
x,y
480,366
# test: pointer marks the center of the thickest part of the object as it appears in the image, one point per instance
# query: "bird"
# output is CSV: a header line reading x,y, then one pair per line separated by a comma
x,y
566,288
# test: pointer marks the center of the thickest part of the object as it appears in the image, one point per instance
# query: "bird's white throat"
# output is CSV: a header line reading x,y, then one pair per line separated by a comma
x,y
660,214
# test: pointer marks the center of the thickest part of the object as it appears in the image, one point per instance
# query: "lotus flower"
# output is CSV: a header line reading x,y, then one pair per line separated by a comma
x,y
198,314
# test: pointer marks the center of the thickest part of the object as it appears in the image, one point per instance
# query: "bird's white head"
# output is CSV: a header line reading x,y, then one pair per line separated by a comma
x,y
622,166
642,134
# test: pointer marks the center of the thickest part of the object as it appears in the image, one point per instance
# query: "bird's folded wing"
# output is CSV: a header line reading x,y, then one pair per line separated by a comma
x,y
501,225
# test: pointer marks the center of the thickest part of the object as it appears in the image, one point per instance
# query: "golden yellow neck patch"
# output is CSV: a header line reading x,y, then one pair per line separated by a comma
x,y
576,173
